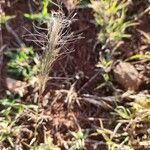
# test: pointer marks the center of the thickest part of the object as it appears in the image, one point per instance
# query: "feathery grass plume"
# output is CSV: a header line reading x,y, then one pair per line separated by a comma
x,y
58,34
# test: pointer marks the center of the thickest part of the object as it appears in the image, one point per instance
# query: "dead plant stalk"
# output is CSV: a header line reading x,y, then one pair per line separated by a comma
x,y
57,36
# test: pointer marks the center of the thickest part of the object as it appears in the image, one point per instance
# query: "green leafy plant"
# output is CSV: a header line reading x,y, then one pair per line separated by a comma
x,y
111,16
14,108
105,63
10,112
8,131
136,118
43,14
4,18
111,136
23,63
123,112
11,108
78,141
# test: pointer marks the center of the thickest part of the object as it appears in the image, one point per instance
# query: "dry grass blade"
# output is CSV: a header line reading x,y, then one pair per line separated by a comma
x,y
104,102
146,37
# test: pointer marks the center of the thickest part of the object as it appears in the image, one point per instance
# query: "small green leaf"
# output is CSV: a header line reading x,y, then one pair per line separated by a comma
x,y
4,18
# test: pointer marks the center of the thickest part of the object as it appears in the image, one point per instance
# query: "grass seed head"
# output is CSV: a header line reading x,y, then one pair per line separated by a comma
x,y
57,36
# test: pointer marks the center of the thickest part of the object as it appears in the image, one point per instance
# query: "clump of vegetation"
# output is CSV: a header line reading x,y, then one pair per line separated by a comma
x,y
133,117
131,120
10,113
78,141
111,16
23,63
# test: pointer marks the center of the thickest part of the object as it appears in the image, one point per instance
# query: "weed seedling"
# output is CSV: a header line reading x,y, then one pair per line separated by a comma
x,y
42,15
78,141
21,63
111,16
4,18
